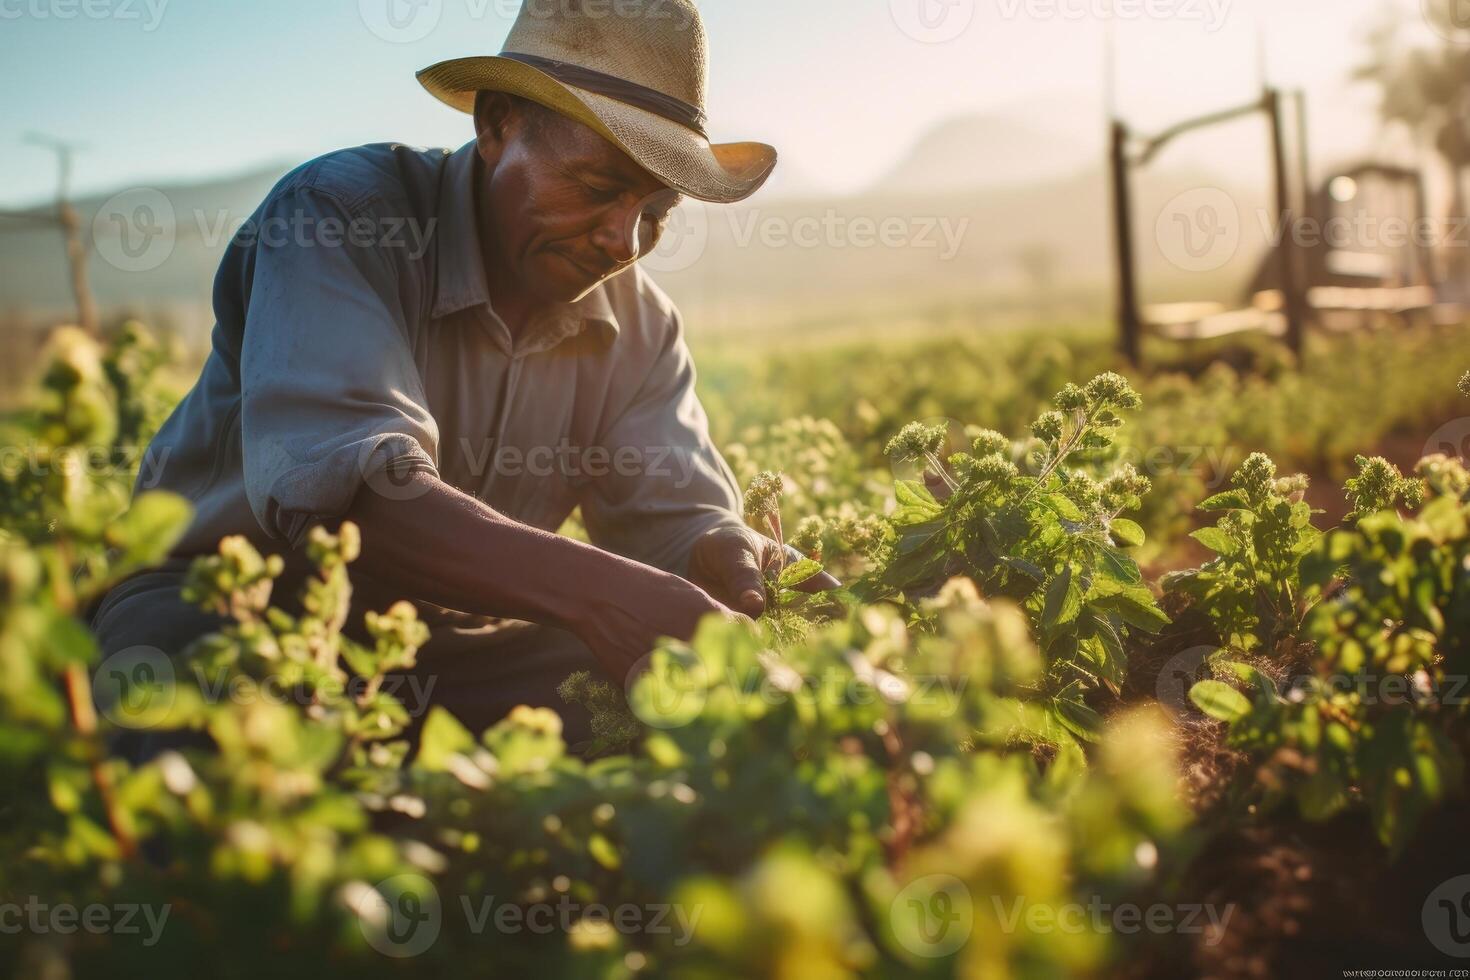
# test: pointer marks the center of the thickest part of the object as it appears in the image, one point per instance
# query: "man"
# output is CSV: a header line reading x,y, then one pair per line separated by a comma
x,y
454,350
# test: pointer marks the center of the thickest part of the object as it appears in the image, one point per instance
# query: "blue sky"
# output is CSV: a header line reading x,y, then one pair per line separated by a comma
x,y
169,89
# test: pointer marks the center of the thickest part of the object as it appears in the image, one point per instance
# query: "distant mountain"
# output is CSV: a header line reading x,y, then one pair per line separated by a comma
x,y
981,151
155,250
981,206
1022,243
1049,138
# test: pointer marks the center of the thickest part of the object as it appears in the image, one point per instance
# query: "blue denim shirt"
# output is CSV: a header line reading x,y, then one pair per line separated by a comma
x,y
355,342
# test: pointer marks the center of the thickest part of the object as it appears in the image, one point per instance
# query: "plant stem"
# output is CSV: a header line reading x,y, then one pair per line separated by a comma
x,y
1065,446
902,806
773,521
84,720
79,700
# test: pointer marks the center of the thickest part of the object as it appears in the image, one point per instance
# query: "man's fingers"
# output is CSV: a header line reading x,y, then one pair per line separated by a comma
x,y
741,578
739,617
751,604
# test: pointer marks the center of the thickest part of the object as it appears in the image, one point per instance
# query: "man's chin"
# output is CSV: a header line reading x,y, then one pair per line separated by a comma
x,y
572,289
563,281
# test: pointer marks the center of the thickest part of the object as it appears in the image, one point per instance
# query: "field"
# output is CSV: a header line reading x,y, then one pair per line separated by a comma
x,y
1147,676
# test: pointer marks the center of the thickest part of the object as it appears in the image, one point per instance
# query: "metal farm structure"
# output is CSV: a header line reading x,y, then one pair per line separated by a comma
x,y
1321,282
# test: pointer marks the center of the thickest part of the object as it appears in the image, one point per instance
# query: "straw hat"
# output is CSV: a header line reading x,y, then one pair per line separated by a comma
x,y
633,70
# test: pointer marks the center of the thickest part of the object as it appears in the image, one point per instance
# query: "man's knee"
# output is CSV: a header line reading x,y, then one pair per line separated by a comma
x,y
143,627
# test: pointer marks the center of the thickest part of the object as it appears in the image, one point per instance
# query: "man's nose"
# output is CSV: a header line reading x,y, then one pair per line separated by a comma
x,y
618,235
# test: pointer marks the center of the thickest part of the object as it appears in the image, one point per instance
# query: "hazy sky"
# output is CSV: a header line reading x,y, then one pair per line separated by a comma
x,y
168,89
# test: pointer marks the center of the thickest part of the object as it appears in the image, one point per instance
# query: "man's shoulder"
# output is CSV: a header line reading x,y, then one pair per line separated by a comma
x,y
394,175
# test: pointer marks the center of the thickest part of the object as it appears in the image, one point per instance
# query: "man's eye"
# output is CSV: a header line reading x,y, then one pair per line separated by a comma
x,y
659,216
601,192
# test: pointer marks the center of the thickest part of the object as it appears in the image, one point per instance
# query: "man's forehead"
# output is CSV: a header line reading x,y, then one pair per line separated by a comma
x,y
582,149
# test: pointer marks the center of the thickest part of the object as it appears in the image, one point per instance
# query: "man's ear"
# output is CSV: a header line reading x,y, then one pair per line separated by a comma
x,y
493,115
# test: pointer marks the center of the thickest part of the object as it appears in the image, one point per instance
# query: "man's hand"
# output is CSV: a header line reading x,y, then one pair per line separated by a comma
x,y
444,547
622,618
727,562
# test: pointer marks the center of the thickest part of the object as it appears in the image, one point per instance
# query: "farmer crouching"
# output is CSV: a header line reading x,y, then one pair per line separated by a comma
x,y
458,351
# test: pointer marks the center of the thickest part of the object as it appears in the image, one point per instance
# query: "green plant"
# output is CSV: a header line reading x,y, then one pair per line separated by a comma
x,y
1251,591
1052,541
1378,718
788,794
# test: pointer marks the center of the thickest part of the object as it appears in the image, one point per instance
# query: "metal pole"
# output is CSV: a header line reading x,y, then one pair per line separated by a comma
x,y
1423,253
1286,250
1303,157
1129,325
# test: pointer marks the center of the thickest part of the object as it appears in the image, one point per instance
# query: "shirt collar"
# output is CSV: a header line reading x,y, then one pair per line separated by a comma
x,y
460,279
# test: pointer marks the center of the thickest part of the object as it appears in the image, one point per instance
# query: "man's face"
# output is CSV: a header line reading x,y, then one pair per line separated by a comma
x,y
568,210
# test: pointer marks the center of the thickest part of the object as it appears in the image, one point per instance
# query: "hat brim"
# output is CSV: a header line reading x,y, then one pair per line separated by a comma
x,y
721,173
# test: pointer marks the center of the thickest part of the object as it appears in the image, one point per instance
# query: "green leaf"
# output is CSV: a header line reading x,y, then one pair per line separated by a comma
x,y
1115,563
798,572
67,641
1063,599
151,527
69,784
1063,507
917,555
1216,540
1107,655
359,659
1023,566
1079,719
443,737
1306,541
1134,605
915,503
1219,700
1229,500
1425,594
1126,532
603,852
1322,795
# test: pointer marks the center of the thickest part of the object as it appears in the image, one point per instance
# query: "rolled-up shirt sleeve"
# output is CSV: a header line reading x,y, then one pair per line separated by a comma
x,y
331,396
667,483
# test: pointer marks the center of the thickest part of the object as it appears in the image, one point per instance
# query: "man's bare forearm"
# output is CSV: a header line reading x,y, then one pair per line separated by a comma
x,y
447,548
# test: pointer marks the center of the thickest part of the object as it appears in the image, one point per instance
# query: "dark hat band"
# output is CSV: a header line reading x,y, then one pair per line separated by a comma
x,y
631,93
